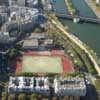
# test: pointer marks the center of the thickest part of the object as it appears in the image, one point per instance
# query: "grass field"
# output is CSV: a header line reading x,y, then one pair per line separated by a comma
x,y
49,64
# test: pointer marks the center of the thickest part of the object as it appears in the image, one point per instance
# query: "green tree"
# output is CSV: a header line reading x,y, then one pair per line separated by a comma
x,y
4,98
33,97
22,96
11,97
39,97
45,99
12,53
4,95
54,98
97,86
38,29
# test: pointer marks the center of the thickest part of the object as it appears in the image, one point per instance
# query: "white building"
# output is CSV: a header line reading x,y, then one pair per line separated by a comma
x,y
70,87
97,1
32,3
29,84
62,87
30,44
17,2
20,20
21,2
21,84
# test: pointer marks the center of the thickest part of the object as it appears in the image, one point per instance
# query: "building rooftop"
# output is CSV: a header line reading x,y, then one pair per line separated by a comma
x,y
70,86
30,43
28,84
64,87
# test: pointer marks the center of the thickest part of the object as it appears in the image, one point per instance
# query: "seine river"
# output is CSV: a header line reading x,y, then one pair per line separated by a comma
x,y
87,32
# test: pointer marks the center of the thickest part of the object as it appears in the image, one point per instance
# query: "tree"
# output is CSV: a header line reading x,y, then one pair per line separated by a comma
x,y
4,95
54,98
33,97
11,97
22,96
12,53
97,86
3,98
39,97
45,99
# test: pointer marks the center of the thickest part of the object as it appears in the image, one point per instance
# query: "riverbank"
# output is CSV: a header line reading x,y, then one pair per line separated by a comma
x,y
61,28
93,6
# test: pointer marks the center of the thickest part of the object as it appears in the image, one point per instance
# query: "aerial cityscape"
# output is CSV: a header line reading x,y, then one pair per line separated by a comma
x,y
49,50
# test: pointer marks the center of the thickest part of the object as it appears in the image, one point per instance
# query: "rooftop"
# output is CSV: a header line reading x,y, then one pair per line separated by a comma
x,y
70,87
30,43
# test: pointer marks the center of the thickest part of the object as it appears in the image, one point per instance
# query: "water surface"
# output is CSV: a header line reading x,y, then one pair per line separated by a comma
x,y
87,32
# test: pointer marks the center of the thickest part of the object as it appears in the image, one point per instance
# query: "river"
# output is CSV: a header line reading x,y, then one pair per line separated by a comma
x,y
87,32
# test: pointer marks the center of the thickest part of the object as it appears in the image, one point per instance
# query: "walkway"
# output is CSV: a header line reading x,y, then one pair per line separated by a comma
x,y
77,43
92,5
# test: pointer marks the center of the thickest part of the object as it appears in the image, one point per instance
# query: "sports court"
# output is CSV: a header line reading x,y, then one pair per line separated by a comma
x,y
36,62
43,64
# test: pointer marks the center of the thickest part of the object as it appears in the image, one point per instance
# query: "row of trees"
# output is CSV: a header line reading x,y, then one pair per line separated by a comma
x,y
78,56
86,61
38,29
26,74
71,8
23,96
97,86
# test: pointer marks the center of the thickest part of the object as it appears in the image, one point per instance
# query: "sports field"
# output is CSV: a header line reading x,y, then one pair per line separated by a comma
x,y
36,64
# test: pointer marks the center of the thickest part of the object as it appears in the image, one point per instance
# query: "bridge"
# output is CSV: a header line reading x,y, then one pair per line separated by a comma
x,y
82,18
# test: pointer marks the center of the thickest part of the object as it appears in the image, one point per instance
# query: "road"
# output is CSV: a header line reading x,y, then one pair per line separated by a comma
x,y
77,43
